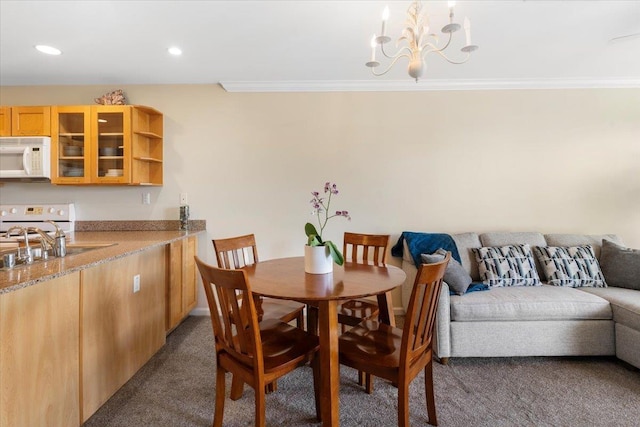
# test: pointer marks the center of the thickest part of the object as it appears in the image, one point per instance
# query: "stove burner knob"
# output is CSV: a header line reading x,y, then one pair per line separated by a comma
x,y
3,213
61,212
52,210
13,210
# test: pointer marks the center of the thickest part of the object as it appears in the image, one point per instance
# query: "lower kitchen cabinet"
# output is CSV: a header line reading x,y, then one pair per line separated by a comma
x,y
181,282
39,354
69,343
121,328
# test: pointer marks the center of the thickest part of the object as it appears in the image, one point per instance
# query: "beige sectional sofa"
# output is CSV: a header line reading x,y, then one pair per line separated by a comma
x,y
540,320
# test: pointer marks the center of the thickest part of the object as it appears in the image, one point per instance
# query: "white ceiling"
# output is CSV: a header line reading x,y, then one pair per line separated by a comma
x,y
313,45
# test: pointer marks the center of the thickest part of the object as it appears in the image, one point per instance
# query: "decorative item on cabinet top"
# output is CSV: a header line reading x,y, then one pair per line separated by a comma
x,y
112,98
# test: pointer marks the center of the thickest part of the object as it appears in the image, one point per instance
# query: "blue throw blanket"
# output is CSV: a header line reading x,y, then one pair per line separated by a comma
x,y
474,287
425,243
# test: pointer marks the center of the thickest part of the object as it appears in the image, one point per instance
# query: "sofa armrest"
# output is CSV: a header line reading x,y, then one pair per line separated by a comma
x,y
442,345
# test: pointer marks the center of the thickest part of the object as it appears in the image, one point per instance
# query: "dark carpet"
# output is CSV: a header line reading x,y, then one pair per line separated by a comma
x,y
177,388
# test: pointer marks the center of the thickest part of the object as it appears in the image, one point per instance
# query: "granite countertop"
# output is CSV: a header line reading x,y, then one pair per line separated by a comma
x,y
121,243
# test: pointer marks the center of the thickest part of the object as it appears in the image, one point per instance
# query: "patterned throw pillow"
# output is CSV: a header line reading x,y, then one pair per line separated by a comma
x,y
511,265
573,266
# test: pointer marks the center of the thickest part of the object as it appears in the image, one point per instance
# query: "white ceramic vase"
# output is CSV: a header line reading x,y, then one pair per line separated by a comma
x,y
317,260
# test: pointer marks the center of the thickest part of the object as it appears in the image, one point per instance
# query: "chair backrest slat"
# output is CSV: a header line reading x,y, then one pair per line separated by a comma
x,y
235,323
242,250
365,248
421,313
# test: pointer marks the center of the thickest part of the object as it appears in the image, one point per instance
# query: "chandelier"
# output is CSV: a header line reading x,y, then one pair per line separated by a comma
x,y
419,42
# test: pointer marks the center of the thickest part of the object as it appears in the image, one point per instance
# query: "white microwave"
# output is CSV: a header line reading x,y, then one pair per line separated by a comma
x,y
25,158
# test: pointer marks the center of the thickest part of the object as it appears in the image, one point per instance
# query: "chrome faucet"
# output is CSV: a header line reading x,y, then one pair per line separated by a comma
x,y
60,242
47,242
57,243
27,257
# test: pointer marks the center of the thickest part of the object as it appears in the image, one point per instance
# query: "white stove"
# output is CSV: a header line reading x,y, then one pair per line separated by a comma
x,y
35,215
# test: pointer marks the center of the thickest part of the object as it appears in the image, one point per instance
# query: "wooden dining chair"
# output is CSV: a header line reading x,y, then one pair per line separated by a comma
x,y
399,355
363,249
236,252
258,353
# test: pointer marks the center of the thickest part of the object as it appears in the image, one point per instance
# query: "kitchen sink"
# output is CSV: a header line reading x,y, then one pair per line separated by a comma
x,y
39,256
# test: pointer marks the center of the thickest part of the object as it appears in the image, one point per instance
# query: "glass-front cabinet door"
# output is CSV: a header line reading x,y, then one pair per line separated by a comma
x,y
112,144
107,145
71,145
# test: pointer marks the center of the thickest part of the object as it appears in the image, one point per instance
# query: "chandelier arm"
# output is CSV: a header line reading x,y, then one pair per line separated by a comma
x,y
390,65
397,54
434,48
448,43
439,52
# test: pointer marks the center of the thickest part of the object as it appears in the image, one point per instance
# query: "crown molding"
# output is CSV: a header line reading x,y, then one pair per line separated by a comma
x,y
425,85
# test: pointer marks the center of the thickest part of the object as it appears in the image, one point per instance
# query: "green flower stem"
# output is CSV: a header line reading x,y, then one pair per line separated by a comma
x,y
326,214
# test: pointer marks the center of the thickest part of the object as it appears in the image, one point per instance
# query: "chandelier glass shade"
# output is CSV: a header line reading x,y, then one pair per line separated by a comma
x,y
419,42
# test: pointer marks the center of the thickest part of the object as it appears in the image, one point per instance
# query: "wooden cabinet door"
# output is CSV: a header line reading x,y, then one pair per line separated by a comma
x,y
189,274
39,360
5,121
122,329
71,145
111,143
181,284
31,121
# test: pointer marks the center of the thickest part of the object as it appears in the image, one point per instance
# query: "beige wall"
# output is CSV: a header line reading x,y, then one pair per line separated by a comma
x,y
547,160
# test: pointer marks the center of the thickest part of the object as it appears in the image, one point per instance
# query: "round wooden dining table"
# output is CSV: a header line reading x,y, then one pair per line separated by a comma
x,y
285,278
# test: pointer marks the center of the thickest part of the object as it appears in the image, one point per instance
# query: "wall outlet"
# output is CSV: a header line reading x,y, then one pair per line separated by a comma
x,y
136,283
146,198
183,199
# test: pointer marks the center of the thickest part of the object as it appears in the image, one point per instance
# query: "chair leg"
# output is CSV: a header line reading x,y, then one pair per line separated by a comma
x,y
312,320
315,365
220,391
403,404
368,383
260,405
237,388
271,387
428,391
300,320
444,360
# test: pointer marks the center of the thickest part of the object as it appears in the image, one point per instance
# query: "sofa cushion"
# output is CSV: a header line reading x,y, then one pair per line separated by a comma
x,y
595,240
511,265
620,266
512,238
525,303
624,302
465,242
455,275
574,266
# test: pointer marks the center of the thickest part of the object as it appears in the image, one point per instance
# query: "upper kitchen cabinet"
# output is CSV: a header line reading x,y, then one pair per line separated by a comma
x,y
5,121
107,144
25,121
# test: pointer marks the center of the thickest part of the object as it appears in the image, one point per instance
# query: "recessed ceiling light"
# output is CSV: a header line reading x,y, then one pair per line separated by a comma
x,y
49,50
175,51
